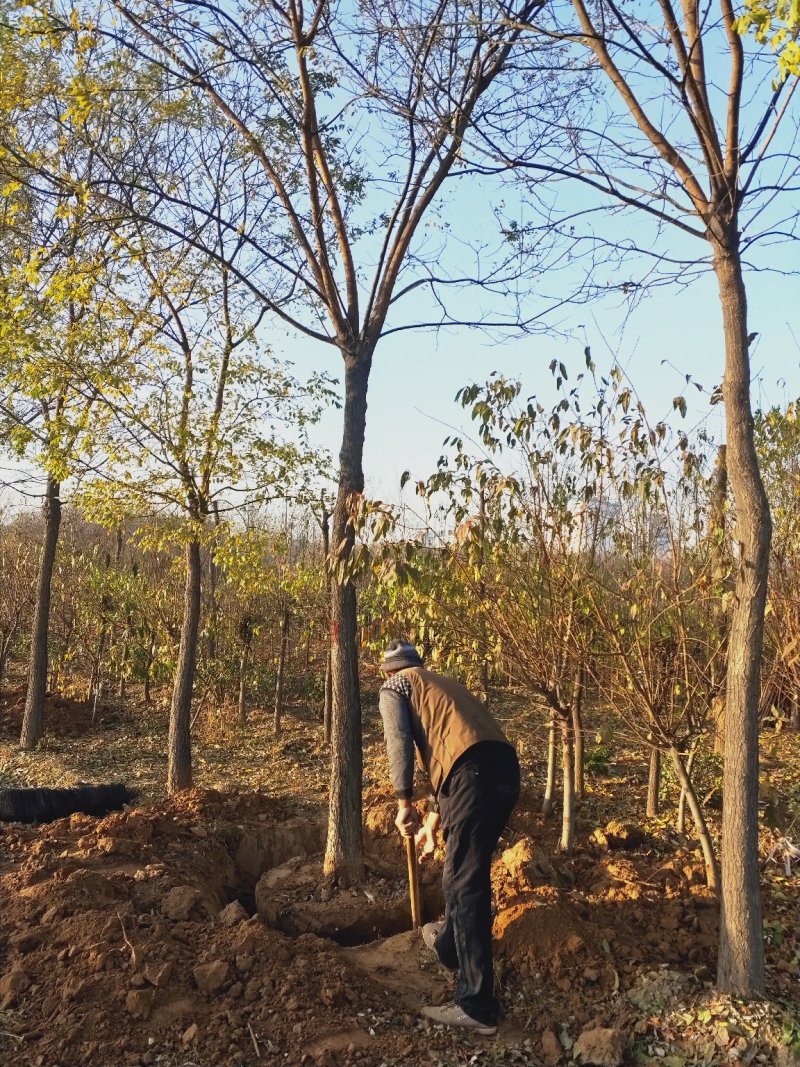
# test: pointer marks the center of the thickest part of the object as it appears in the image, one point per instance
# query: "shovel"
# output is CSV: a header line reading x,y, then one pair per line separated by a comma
x,y
413,881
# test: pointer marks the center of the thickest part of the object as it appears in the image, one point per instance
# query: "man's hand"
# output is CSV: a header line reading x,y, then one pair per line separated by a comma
x,y
408,820
426,837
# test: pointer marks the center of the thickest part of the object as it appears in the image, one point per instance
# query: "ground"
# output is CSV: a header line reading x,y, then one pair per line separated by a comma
x,y
199,931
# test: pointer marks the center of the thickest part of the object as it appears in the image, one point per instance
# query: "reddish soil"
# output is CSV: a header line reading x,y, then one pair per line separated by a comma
x,y
64,716
199,932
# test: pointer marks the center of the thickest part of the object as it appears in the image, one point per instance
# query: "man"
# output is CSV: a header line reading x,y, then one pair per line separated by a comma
x,y
474,775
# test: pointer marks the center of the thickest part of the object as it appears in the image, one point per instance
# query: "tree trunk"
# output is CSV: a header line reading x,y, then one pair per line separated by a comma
x,y
740,969
98,678
328,706
577,735
244,663
706,844
344,852
680,823
92,680
718,557
213,576
179,751
99,690
484,683
654,782
122,681
550,785
568,772
4,643
5,646
279,682
148,668
795,720
33,719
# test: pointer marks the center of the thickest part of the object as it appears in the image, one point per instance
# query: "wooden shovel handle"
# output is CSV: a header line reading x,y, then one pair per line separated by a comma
x,y
413,881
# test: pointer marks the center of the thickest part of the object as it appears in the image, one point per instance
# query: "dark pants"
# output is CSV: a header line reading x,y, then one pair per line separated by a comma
x,y
475,802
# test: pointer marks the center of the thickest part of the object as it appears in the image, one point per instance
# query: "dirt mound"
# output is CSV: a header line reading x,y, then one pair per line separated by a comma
x,y
201,931
133,936
583,926
63,717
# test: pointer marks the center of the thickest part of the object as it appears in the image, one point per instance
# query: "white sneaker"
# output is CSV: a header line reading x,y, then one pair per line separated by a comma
x,y
453,1015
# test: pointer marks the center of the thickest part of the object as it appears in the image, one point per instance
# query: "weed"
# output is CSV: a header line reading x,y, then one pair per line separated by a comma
x,y
597,760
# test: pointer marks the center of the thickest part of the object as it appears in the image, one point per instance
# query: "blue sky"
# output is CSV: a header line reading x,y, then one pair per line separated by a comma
x,y
672,332
415,376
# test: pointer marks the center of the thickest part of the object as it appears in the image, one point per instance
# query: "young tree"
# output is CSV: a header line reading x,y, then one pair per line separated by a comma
x,y
59,323
198,421
18,567
653,597
523,517
778,444
56,321
540,494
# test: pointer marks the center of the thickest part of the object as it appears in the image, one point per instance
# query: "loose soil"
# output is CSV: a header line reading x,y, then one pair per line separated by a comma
x,y
199,930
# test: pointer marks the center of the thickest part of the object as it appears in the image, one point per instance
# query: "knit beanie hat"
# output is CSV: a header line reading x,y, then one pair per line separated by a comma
x,y
399,655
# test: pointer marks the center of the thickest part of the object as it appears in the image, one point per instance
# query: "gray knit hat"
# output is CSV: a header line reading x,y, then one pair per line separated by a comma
x,y
399,655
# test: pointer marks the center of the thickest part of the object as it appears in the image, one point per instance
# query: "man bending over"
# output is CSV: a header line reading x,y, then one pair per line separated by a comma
x,y
474,774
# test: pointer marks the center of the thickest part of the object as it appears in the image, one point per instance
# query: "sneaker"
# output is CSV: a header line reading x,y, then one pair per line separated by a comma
x,y
453,1015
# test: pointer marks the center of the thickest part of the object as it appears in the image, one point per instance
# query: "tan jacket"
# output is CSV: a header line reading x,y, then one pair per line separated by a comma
x,y
450,719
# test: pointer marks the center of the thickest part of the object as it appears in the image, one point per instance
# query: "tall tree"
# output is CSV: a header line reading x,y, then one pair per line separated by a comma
x,y
663,141
355,118
56,274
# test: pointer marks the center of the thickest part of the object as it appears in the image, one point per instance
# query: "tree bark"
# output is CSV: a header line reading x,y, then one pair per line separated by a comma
x,y
718,557
122,681
568,772
279,681
99,691
795,719
577,735
148,668
213,577
550,784
244,662
98,680
740,970
179,752
484,684
327,710
654,782
327,707
33,719
344,852
680,823
706,844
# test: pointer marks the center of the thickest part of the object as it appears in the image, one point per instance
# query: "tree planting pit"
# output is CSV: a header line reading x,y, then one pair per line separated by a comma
x,y
297,899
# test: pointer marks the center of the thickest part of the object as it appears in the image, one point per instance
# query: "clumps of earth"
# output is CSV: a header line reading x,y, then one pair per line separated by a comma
x,y
200,931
